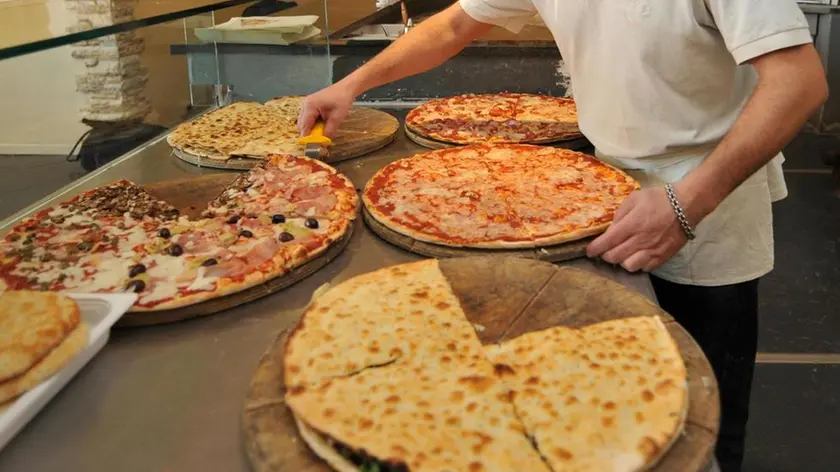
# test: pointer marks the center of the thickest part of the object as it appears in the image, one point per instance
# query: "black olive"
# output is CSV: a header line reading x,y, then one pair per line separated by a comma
x,y
175,250
233,219
277,219
135,286
311,223
209,262
85,246
286,237
246,234
57,219
105,238
13,237
165,233
136,270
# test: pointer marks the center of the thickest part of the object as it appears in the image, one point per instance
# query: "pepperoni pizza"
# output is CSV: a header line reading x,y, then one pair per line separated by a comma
x,y
497,196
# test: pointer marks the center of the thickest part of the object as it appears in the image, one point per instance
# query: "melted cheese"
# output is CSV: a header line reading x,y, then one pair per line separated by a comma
x,y
111,272
203,283
131,238
165,266
160,291
163,269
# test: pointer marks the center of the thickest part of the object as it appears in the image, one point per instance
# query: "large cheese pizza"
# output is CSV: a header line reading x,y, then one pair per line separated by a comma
x,y
496,118
497,196
385,372
242,129
281,214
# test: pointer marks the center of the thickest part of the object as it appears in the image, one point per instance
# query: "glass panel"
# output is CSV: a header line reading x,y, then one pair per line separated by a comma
x,y
107,101
78,107
28,26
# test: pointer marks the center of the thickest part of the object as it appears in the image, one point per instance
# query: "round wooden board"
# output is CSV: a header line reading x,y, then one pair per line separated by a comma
x,y
190,196
575,144
365,130
556,253
509,297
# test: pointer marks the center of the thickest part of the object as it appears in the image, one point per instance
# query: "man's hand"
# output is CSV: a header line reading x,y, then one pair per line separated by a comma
x,y
644,234
332,104
428,45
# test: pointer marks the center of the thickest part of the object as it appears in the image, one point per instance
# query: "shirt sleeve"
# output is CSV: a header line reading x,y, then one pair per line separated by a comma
x,y
752,28
512,15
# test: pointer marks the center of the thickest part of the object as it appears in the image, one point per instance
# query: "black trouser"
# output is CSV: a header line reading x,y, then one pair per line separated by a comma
x,y
724,322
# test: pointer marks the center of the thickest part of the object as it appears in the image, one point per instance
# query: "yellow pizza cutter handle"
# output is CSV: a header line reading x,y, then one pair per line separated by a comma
x,y
316,136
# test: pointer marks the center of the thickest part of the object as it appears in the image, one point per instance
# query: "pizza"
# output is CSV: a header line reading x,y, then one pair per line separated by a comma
x,y
497,196
284,212
496,118
242,129
385,372
41,333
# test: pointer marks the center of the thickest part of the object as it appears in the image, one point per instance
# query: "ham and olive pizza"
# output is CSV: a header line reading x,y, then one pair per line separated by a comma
x,y
497,196
116,238
496,118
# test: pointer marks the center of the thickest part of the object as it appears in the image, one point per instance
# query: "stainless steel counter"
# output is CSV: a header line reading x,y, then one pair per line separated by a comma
x,y
169,398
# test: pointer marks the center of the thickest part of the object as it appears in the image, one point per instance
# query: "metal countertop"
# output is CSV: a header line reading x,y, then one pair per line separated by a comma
x,y
169,398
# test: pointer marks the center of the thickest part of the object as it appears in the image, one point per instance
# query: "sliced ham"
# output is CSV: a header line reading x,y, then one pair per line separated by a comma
x,y
262,252
310,193
229,268
250,223
195,242
318,207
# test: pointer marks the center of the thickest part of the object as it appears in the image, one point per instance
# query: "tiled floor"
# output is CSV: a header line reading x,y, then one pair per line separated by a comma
x,y
795,422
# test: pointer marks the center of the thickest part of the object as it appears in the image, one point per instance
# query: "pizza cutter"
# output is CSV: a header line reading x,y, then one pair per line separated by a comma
x,y
316,143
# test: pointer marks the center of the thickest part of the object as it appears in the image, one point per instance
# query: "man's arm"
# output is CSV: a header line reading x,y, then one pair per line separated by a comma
x,y
791,87
646,233
426,46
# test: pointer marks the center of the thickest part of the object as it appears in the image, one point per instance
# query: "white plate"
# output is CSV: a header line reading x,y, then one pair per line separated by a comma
x,y
100,312
210,35
280,24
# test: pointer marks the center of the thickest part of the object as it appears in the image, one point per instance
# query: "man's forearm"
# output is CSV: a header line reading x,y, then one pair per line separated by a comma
x,y
791,88
426,46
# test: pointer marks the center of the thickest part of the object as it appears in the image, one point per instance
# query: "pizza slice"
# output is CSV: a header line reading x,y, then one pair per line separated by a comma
x,y
411,389
610,396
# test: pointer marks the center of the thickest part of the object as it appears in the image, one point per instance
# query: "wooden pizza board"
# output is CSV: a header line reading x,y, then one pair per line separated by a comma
x,y
509,297
365,130
575,144
556,253
191,196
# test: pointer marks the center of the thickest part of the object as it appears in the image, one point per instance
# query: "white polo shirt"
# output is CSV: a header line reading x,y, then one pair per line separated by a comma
x,y
658,84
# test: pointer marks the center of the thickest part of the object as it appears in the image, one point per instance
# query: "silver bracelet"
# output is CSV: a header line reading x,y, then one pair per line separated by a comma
x,y
675,204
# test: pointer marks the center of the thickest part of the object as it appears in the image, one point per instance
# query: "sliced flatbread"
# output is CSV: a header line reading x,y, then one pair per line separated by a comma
x,y
288,107
31,325
410,389
342,332
241,129
74,344
611,396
